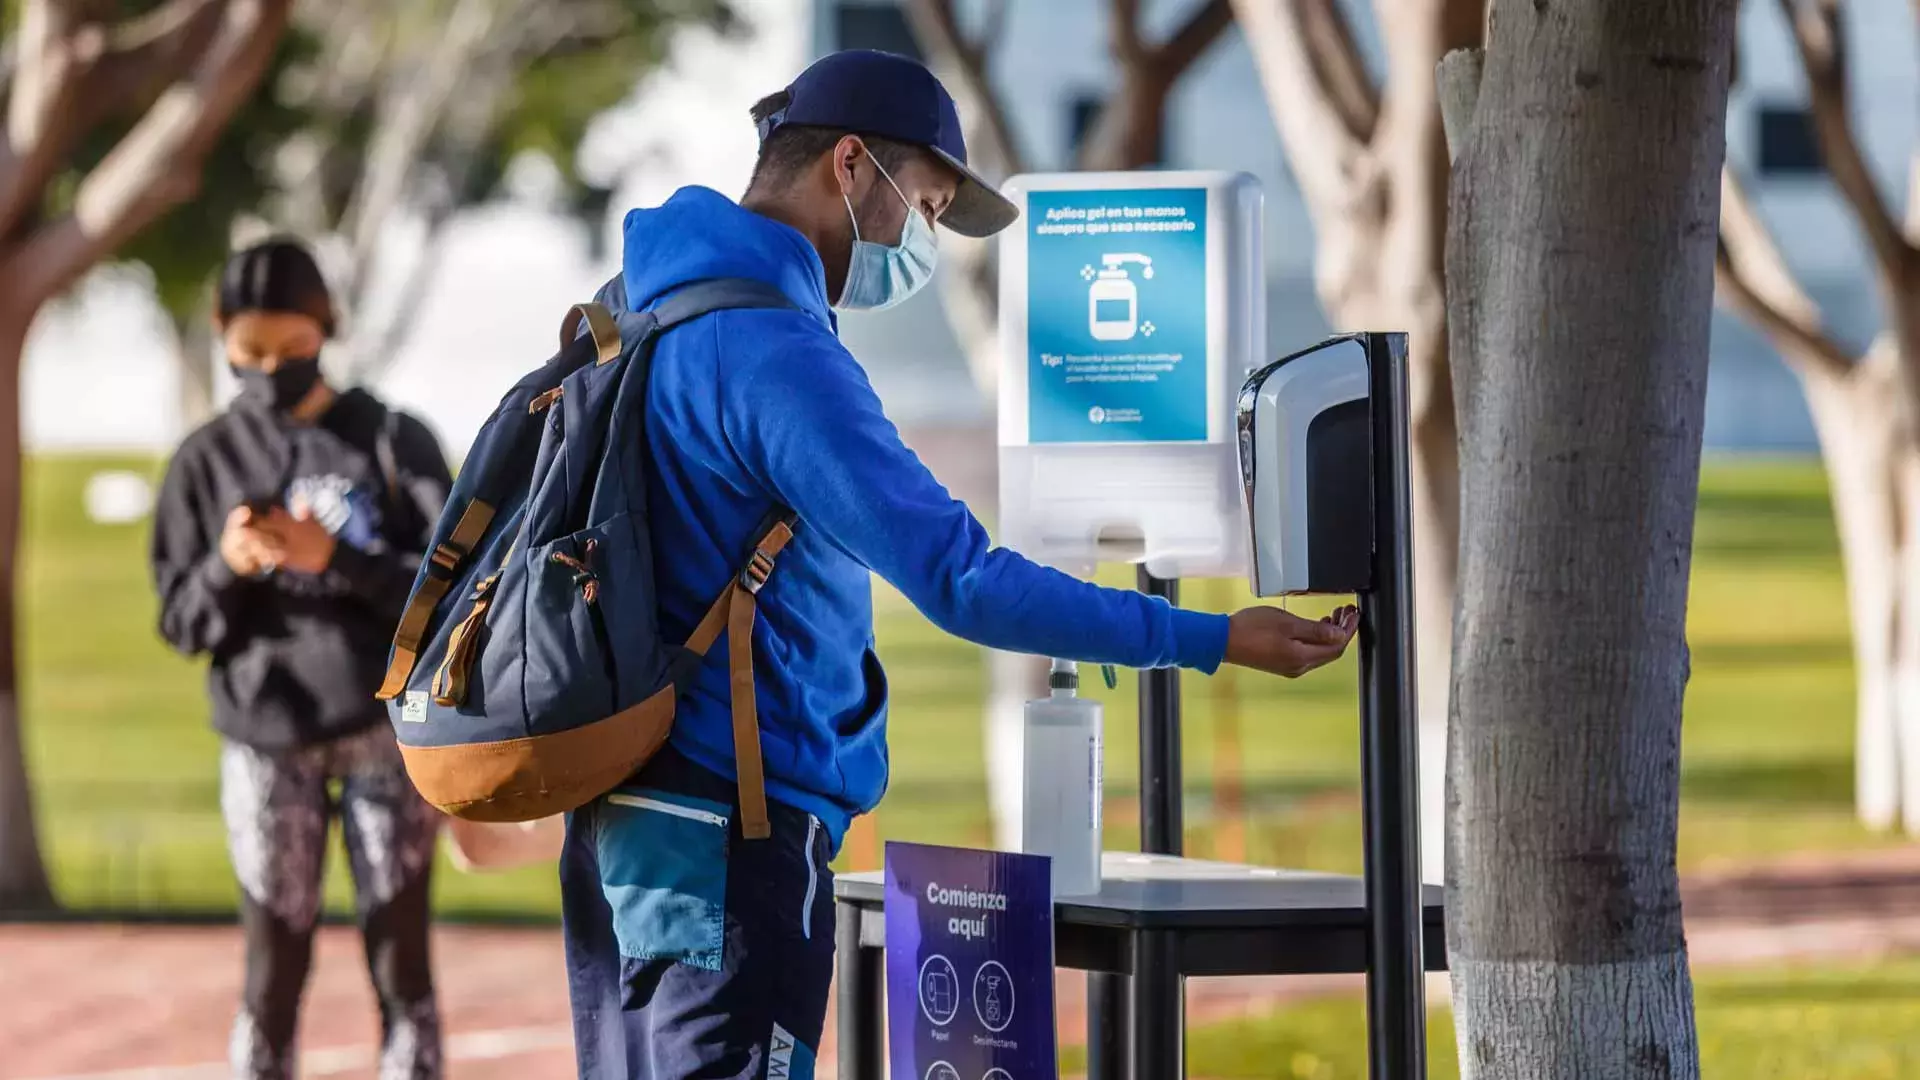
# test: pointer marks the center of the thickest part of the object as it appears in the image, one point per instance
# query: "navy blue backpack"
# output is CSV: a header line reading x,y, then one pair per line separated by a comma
x,y
528,675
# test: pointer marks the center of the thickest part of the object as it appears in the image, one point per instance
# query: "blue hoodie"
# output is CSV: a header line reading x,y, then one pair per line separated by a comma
x,y
755,408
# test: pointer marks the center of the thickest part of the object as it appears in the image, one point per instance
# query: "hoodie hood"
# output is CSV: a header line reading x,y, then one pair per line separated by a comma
x,y
699,234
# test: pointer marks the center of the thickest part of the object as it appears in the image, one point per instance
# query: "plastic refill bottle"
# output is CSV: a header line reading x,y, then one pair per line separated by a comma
x,y
1061,812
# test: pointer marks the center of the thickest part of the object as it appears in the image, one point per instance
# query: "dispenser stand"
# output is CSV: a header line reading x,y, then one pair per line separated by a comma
x,y
1158,989
1115,1002
1162,824
1389,747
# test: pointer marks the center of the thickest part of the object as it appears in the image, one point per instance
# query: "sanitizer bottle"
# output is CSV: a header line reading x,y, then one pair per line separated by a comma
x,y
1061,811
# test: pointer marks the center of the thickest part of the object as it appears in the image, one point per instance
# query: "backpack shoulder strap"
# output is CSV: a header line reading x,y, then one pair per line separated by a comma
x,y
716,294
600,323
383,452
735,611
690,302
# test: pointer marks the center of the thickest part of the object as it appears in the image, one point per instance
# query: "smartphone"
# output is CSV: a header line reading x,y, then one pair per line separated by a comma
x,y
260,506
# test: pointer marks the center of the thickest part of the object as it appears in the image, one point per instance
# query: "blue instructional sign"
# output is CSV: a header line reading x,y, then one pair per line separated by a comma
x,y
1117,315
969,965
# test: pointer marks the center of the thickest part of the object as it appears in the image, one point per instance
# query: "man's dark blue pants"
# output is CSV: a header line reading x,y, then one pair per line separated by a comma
x,y
692,953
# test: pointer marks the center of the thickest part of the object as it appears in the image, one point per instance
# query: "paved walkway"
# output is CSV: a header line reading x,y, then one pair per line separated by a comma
x,y
152,1003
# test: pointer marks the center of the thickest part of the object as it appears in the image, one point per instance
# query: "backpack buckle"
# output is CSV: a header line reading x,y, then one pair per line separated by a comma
x,y
758,570
447,557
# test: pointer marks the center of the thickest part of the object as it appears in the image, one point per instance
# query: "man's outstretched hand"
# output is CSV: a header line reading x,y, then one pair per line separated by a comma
x,y
1269,639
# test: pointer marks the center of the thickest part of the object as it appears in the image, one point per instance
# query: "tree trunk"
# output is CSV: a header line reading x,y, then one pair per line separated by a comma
x,y
193,349
1409,293
23,875
1584,212
1416,304
1853,416
1906,646
1872,472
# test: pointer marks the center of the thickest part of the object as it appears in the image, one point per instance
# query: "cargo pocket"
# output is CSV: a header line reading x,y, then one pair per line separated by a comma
x,y
663,867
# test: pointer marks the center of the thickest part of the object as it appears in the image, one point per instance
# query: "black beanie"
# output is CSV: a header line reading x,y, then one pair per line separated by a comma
x,y
276,275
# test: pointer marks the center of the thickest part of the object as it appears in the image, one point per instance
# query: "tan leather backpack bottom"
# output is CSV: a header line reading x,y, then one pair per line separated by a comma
x,y
541,775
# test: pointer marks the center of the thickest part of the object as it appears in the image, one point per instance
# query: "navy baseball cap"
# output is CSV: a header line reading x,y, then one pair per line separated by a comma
x,y
894,97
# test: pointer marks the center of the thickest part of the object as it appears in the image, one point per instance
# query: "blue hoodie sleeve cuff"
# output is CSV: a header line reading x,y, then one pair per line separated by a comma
x,y
1199,640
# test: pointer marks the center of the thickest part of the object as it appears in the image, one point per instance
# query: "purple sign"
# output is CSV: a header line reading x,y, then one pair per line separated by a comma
x,y
969,965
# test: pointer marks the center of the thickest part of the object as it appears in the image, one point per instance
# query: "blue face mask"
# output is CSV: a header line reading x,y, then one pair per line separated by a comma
x,y
879,276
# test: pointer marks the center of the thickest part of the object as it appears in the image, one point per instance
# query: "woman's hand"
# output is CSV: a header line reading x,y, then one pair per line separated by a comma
x,y
242,548
297,541
1271,640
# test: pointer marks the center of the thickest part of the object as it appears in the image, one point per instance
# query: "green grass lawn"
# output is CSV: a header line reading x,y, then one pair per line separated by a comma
x,y
124,762
1852,1023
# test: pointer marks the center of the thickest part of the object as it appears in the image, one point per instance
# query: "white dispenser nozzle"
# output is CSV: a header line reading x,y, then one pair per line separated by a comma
x,y
1061,809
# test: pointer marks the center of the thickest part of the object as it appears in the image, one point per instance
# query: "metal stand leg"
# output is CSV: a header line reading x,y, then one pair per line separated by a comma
x,y
1107,1035
1159,1009
1158,1004
862,1018
1161,826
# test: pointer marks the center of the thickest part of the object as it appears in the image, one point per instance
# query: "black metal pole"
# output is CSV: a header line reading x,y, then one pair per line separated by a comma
x,y
1157,1019
1159,1008
1389,750
1161,824
1107,1035
862,1014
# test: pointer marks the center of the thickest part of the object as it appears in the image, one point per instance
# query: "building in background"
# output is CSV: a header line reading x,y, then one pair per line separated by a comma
x,y
1053,72
99,374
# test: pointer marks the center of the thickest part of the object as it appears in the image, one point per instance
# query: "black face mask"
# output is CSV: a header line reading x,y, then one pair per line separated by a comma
x,y
282,388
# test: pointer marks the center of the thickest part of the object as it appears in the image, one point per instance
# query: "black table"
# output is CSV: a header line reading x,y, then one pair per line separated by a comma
x,y
1194,917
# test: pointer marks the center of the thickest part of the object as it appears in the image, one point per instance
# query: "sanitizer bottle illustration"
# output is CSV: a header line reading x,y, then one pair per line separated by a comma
x,y
1113,300
993,1000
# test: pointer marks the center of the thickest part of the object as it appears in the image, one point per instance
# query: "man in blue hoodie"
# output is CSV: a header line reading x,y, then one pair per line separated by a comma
x,y
692,951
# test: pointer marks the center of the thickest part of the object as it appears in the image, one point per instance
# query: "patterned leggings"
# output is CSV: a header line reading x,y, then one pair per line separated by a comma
x,y
277,808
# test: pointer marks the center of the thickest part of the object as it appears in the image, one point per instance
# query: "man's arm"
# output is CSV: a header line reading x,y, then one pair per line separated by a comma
x,y
807,422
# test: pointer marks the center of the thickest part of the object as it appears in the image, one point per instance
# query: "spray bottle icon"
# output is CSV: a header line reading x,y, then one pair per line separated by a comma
x,y
1113,301
993,1000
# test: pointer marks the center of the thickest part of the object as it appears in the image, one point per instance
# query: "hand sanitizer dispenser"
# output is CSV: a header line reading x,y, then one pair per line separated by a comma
x,y
1305,430
1324,467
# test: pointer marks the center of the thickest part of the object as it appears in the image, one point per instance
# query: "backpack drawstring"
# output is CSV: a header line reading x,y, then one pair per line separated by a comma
x,y
583,576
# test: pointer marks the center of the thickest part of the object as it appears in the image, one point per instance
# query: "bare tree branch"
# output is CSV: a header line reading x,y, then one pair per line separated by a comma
x,y
1822,45
1123,30
374,352
147,54
356,40
52,53
1752,278
157,164
356,37
1325,152
1337,62
970,283
1127,132
1913,196
404,122
962,65
1191,41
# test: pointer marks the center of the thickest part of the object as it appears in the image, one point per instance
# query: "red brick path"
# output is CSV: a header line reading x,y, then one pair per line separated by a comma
x,y
152,1003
